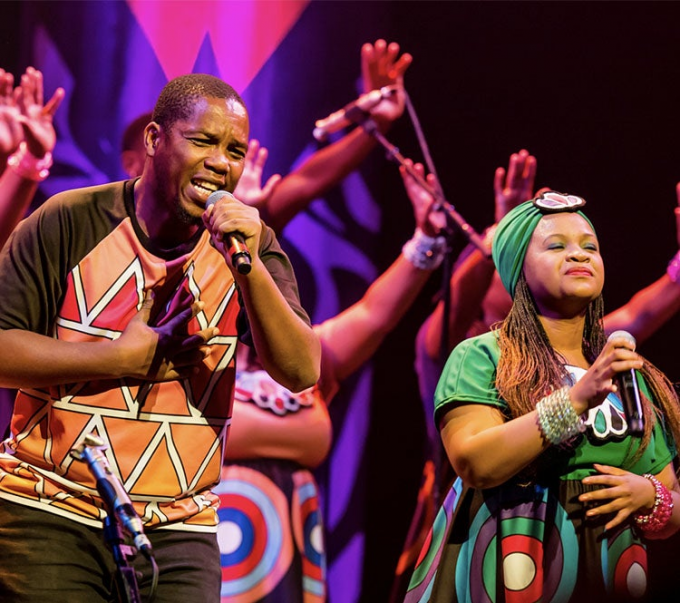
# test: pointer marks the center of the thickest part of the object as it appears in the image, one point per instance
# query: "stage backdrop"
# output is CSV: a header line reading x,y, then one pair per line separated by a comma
x,y
590,88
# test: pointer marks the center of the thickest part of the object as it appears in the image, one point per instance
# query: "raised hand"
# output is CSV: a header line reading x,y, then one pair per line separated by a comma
x,y
164,352
515,186
35,116
249,188
381,66
622,493
429,220
11,132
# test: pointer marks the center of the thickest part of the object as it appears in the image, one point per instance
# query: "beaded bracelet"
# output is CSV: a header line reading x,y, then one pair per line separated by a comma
x,y
673,269
557,418
24,163
423,251
661,512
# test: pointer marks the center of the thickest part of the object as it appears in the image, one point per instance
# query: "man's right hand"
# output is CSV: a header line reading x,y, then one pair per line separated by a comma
x,y
166,352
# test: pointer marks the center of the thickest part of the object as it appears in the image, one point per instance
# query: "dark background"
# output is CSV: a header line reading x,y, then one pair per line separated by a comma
x,y
590,88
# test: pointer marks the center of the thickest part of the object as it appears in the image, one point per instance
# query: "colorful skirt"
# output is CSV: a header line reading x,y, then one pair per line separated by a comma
x,y
270,534
520,544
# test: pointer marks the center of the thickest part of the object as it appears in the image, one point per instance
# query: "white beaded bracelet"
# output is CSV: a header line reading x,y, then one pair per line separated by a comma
x,y
24,163
673,269
423,251
557,418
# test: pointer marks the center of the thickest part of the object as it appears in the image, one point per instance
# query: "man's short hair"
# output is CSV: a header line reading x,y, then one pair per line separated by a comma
x,y
178,96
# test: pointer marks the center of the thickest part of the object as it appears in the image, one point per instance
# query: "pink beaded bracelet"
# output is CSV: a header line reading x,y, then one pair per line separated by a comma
x,y
661,512
27,166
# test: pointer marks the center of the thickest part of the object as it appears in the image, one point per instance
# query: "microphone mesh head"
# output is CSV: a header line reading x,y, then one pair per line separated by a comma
x,y
623,335
216,196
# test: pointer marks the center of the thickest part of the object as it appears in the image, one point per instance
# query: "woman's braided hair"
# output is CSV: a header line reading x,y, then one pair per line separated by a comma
x,y
529,368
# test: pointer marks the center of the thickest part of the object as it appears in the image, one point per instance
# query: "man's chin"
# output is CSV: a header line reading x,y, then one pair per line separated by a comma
x,y
190,218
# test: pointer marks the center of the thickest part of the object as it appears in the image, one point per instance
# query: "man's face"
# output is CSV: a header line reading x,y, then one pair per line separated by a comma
x,y
198,155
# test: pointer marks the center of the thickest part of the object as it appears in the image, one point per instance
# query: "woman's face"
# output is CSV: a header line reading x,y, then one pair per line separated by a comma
x,y
563,266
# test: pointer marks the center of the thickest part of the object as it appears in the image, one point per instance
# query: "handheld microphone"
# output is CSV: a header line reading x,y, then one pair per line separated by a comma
x,y
238,251
351,113
111,490
629,392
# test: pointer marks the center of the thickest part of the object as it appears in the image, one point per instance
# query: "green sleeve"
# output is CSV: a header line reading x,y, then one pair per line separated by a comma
x,y
469,376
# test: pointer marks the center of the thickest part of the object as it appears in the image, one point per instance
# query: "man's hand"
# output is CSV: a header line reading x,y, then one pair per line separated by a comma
x,y
165,352
232,215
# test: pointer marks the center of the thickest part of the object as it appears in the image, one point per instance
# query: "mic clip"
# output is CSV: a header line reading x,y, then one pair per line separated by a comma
x,y
116,500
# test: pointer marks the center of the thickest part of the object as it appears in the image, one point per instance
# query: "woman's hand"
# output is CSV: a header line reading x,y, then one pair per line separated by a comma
x,y
36,116
11,133
617,356
382,65
249,188
622,493
516,185
430,220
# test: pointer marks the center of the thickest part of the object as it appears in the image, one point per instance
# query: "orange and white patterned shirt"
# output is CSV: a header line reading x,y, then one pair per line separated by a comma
x,y
77,269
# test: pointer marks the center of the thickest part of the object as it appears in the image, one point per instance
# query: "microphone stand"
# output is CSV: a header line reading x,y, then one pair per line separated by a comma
x,y
453,218
90,451
126,577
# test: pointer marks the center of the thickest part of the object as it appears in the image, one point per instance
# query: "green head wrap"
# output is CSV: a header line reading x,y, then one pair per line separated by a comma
x,y
512,236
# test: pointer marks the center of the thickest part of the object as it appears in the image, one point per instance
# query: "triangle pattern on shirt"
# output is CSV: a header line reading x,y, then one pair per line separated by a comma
x,y
109,311
160,457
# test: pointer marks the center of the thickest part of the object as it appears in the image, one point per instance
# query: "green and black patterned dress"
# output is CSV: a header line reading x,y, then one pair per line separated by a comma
x,y
529,540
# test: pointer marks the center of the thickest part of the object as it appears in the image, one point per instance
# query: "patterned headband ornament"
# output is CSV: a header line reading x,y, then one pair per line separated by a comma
x,y
551,202
512,236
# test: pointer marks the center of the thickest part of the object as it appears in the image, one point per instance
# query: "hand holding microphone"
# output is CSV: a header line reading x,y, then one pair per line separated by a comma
x,y
235,244
629,392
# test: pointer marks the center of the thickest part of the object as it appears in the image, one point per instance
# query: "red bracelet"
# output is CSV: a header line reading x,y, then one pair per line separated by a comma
x,y
657,519
28,166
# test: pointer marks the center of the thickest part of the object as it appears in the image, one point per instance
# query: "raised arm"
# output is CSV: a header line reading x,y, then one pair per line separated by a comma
x,y
382,65
286,345
472,277
26,130
651,307
352,337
